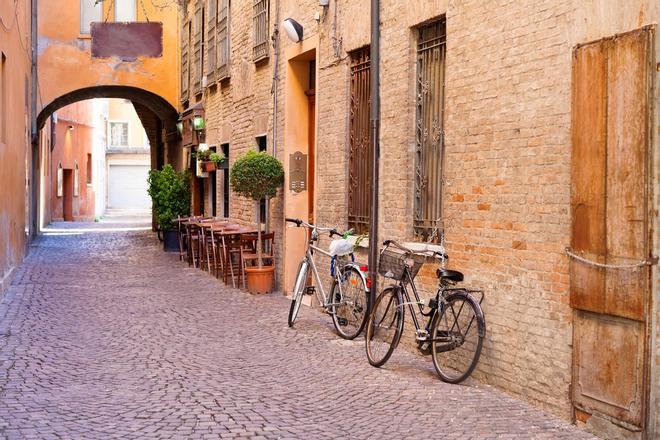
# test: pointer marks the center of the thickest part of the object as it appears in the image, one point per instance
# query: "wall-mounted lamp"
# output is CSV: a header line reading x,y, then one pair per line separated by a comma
x,y
324,2
198,123
179,127
70,127
293,29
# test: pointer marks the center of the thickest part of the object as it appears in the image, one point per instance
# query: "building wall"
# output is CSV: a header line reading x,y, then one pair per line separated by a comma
x,y
65,64
120,110
15,149
507,181
74,141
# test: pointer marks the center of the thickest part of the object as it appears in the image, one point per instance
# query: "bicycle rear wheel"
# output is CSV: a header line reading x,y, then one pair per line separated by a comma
x,y
350,313
384,326
457,334
298,291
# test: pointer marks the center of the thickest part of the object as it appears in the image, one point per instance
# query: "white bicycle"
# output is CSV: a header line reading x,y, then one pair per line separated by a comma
x,y
348,297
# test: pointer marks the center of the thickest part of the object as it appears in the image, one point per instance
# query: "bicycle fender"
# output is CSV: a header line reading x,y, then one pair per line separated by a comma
x,y
362,275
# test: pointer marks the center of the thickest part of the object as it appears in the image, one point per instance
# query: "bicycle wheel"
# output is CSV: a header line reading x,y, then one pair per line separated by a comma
x,y
298,292
349,315
384,326
457,334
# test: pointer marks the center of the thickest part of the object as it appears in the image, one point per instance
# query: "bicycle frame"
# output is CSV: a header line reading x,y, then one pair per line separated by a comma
x,y
321,296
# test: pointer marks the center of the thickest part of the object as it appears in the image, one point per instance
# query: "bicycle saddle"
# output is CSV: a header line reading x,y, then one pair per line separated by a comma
x,y
452,275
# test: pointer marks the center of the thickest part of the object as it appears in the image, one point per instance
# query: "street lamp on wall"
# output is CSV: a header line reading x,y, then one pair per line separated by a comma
x,y
198,123
293,29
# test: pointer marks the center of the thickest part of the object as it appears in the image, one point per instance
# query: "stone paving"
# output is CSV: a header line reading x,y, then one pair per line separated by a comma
x,y
103,335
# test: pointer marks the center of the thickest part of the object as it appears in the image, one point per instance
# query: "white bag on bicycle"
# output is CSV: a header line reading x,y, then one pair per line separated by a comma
x,y
340,247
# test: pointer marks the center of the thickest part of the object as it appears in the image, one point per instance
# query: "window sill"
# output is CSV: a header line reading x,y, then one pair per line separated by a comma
x,y
415,246
85,36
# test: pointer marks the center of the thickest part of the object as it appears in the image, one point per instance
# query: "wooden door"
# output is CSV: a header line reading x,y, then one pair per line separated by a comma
x,y
610,205
67,195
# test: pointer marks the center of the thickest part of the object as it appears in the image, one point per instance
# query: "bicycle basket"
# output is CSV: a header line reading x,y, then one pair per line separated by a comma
x,y
393,264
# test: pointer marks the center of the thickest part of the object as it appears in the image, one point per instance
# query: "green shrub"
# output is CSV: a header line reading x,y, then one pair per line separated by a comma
x,y
170,195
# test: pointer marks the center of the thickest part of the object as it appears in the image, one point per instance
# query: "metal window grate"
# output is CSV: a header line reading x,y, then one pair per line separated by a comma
x,y
429,128
260,26
359,161
222,41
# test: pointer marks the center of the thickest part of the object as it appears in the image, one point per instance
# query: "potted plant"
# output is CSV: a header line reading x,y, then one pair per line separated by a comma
x,y
170,196
257,176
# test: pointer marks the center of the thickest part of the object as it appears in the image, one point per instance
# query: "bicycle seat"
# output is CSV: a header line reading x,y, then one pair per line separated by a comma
x,y
452,275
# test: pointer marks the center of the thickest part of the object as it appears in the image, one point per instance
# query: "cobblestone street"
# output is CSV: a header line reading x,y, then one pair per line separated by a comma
x,y
103,335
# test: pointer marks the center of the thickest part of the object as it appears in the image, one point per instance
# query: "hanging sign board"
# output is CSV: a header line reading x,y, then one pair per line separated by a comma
x,y
128,41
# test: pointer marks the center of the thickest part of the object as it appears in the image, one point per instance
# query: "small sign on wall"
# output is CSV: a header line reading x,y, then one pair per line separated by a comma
x,y
298,172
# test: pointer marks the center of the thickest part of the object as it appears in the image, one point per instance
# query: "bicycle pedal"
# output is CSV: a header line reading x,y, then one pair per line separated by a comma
x,y
425,348
310,290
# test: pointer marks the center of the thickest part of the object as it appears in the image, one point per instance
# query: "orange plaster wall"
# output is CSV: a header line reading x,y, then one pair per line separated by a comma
x,y
65,62
71,147
15,149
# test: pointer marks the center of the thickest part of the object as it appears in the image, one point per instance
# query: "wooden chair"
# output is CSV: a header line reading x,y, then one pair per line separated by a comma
x,y
249,250
233,261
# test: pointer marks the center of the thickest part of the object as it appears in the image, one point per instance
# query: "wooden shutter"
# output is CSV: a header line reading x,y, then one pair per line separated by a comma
x,y
223,40
185,61
360,152
610,174
211,34
198,49
260,11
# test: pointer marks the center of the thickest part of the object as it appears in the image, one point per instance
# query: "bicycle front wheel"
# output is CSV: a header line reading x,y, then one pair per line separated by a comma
x,y
349,297
457,334
384,326
298,292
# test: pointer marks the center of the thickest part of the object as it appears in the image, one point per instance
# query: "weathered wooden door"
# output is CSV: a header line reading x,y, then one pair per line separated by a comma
x,y
610,203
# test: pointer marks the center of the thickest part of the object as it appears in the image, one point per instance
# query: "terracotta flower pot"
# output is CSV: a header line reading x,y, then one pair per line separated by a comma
x,y
260,280
208,166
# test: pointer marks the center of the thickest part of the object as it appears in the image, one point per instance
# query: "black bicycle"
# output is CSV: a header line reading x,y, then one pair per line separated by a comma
x,y
455,327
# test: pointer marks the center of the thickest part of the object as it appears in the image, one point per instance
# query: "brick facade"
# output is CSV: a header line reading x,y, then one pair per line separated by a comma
x,y
506,181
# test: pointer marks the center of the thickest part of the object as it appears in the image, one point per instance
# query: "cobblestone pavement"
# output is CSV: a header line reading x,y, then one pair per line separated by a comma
x,y
103,335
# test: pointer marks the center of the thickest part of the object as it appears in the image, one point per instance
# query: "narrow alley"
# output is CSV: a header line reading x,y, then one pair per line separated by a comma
x,y
103,335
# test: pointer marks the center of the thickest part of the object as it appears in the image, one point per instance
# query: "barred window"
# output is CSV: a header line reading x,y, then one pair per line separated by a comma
x,y
260,18
119,134
429,128
222,40
360,153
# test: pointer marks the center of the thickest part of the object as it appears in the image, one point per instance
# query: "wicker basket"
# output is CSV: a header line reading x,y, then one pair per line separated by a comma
x,y
393,264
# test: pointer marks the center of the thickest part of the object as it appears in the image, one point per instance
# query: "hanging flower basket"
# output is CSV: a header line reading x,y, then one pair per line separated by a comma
x,y
208,166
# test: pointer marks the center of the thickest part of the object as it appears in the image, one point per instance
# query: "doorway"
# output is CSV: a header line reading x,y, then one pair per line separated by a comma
x,y
67,194
300,136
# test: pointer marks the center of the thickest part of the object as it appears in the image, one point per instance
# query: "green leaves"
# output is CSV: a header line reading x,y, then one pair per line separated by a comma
x,y
257,175
170,195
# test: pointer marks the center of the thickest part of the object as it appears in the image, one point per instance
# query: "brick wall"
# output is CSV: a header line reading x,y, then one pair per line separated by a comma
x,y
507,153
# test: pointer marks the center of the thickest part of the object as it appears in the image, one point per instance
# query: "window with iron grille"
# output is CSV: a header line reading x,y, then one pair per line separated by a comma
x,y
198,47
429,129
222,40
185,61
260,18
211,34
359,160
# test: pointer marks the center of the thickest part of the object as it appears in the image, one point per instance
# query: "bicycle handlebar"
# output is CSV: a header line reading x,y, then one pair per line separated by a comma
x,y
331,231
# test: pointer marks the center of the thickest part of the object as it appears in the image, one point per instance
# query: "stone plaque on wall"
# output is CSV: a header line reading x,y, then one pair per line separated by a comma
x,y
297,172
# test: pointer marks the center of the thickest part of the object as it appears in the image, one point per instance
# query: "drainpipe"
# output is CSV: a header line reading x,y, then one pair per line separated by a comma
x,y
34,169
274,90
375,147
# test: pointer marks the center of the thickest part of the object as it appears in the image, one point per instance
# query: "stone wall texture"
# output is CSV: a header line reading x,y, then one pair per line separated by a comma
x,y
506,187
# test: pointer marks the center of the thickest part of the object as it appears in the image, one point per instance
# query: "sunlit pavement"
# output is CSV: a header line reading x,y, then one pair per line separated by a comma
x,y
103,335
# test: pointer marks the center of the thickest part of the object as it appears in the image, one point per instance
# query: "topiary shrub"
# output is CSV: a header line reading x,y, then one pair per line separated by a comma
x,y
257,176
170,195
